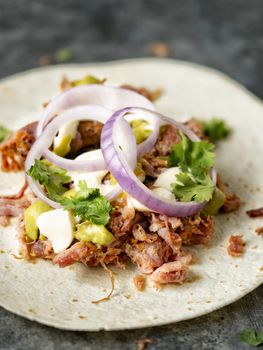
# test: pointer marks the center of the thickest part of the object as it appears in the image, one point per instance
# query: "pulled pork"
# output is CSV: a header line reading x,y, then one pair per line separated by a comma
x,y
171,272
254,213
13,207
152,242
87,137
232,201
236,246
152,95
197,127
15,149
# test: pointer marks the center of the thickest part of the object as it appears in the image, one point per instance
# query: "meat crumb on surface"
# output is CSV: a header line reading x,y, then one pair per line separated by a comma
x,y
259,231
254,213
236,245
139,282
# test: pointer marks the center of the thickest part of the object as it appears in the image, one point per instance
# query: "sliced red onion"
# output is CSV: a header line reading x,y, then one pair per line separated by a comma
x,y
126,142
119,167
110,97
90,112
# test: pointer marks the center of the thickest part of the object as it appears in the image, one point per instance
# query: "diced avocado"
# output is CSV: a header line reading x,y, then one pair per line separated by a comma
x,y
70,193
113,181
213,206
31,215
88,79
64,146
139,172
139,130
89,232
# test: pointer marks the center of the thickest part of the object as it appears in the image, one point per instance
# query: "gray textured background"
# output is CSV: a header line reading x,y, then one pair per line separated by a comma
x,y
224,34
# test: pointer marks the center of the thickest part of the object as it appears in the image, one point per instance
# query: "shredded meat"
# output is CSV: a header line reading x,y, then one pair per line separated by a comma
x,y
236,246
148,256
171,272
15,149
13,207
254,213
139,233
76,252
87,137
121,221
152,95
196,126
41,249
232,202
197,230
89,254
139,282
23,247
259,230
160,224
166,140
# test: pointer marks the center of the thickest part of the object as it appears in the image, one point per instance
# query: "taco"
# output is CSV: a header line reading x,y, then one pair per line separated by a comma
x,y
114,186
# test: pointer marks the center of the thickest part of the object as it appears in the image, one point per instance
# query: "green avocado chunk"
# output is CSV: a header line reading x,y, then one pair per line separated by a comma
x,y
30,217
139,130
88,79
64,147
213,206
98,234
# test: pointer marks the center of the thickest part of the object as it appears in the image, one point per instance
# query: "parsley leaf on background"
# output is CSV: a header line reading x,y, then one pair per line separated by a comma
x,y
51,177
187,188
194,156
89,204
216,129
251,337
4,133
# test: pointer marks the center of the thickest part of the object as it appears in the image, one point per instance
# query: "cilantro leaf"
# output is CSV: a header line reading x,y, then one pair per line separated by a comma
x,y
216,129
51,177
4,133
251,337
89,204
194,156
188,188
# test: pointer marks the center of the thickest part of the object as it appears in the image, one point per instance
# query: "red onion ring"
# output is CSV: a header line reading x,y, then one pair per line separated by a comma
x,y
110,97
90,112
40,147
119,167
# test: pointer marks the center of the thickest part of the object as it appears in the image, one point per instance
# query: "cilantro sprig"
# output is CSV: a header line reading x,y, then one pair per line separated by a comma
x,y
216,129
251,337
195,159
188,188
89,204
53,178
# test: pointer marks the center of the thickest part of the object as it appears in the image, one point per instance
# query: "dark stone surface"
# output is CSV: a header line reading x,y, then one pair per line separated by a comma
x,y
224,34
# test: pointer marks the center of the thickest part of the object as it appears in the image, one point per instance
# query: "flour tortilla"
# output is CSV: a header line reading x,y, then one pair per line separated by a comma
x,y
63,298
